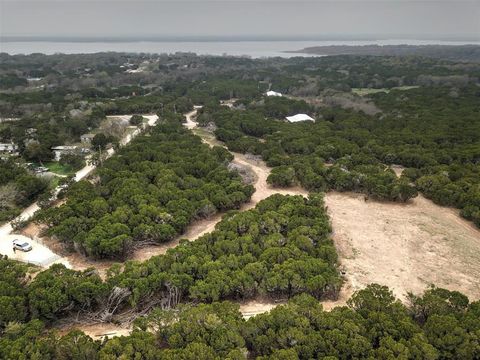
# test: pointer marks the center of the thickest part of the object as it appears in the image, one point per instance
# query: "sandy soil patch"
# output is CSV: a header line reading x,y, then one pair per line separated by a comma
x,y
397,169
254,307
97,331
404,246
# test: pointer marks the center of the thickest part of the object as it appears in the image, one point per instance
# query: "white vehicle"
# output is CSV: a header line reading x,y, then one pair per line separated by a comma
x,y
21,245
41,169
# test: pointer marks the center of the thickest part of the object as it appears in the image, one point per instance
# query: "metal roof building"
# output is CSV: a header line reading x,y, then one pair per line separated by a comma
x,y
299,117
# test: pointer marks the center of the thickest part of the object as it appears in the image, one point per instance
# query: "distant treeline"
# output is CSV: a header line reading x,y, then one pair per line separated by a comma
x,y
446,52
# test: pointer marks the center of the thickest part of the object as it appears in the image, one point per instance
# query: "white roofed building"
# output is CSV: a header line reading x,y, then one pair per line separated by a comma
x,y
58,151
299,117
273,93
87,138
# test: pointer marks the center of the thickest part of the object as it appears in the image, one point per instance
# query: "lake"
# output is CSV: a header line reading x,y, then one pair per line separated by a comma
x,y
254,49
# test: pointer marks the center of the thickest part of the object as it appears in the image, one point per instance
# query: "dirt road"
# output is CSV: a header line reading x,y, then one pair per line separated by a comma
x,y
201,227
404,246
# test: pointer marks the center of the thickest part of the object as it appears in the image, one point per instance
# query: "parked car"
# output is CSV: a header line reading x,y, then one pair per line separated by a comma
x,y
21,245
40,169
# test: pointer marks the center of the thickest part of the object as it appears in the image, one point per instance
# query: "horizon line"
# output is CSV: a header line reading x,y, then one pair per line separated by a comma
x,y
222,38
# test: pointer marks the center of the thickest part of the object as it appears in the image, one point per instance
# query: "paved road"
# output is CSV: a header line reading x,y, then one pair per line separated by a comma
x,y
40,254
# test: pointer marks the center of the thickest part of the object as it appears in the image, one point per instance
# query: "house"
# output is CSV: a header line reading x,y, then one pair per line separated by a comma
x,y
86,138
58,151
30,131
8,147
299,117
273,93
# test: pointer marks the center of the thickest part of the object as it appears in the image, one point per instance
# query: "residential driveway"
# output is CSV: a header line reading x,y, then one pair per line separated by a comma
x,y
26,214
39,255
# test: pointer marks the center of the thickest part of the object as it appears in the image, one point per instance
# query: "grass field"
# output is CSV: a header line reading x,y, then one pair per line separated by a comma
x,y
57,168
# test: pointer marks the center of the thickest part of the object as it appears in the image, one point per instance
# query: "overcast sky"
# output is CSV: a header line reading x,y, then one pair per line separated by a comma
x,y
241,17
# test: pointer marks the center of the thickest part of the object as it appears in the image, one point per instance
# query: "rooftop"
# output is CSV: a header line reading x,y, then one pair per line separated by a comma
x,y
299,117
273,93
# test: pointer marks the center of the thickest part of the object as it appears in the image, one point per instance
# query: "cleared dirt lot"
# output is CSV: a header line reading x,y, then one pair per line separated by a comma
x,y
404,246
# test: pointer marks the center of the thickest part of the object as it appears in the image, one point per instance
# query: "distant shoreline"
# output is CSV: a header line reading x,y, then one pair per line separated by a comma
x,y
238,48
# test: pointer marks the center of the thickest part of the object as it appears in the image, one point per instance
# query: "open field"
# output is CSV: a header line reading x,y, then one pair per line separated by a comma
x,y
59,169
404,246
368,91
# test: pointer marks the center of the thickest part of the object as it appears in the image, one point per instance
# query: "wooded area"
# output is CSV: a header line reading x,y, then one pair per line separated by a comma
x,y
147,193
440,324
422,115
433,132
280,249
18,188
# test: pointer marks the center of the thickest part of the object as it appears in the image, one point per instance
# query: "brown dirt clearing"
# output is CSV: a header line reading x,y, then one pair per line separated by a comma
x,y
97,331
404,246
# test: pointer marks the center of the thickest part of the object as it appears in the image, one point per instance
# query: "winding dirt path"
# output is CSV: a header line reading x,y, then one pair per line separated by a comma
x,y
404,246
194,231
201,227
98,331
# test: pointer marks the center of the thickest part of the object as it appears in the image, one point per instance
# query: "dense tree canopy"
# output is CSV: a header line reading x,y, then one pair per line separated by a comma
x,y
439,324
433,132
18,188
148,193
279,249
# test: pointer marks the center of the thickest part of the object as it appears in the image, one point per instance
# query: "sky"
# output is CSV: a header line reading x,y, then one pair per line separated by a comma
x,y
322,19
